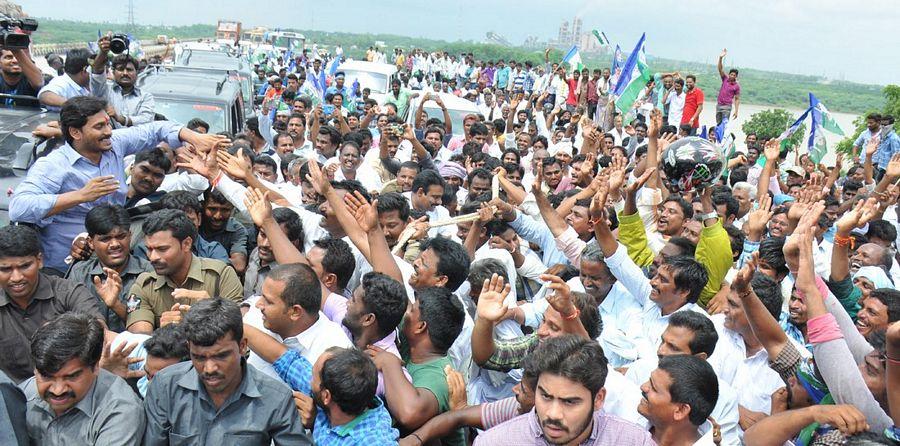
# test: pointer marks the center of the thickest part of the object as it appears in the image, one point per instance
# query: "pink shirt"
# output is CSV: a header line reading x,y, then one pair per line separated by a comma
x,y
728,91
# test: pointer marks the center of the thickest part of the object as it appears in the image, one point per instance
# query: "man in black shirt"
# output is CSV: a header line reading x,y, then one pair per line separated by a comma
x,y
18,74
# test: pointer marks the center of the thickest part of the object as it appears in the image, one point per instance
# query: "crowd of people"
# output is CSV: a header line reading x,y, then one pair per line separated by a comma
x,y
334,276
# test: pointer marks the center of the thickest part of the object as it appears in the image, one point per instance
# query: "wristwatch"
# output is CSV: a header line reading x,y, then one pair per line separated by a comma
x,y
704,217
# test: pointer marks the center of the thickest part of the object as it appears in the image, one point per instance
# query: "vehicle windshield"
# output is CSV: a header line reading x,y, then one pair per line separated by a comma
x,y
182,112
287,42
456,116
377,82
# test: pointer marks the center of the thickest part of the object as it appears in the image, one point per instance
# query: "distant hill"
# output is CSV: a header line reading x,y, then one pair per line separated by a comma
x,y
759,87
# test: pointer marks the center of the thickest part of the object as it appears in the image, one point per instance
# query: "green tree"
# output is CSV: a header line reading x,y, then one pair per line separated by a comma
x,y
768,124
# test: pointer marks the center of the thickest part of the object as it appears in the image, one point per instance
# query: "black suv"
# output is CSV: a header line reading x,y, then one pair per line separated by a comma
x,y
18,148
182,94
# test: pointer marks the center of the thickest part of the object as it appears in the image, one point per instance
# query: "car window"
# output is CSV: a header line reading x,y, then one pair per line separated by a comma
x,y
378,83
456,116
183,111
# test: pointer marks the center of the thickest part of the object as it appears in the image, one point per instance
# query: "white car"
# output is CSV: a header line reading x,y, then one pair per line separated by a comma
x,y
457,107
376,77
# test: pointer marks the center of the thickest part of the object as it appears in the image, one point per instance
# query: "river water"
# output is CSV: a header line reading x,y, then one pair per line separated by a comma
x,y
844,120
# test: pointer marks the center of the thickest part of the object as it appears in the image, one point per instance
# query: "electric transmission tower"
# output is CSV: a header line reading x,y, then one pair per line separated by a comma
x,y
131,16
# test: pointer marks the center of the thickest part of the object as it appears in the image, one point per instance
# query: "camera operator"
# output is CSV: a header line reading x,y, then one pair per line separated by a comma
x,y
74,82
127,105
18,73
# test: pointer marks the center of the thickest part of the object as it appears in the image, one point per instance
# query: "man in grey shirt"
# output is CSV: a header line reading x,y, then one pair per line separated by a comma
x,y
71,400
216,398
128,105
12,413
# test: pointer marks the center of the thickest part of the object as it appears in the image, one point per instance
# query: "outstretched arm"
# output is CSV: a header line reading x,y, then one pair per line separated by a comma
x,y
29,69
366,216
764,326
719,63
780,428
260,211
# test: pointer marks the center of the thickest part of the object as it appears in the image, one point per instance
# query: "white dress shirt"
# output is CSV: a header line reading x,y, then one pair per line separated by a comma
x,y
654,322
750,373
311,343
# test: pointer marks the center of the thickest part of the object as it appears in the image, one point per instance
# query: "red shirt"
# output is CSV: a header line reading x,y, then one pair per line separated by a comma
x,y
692,100
573,86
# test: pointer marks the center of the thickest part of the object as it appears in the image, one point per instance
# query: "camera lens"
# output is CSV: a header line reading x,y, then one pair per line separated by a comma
x,y
118,44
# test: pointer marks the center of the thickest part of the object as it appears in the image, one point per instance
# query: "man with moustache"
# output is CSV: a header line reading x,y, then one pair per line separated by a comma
x,y
127,104
215,398
111,272
87,171
179,278
568,401
71,399
29,298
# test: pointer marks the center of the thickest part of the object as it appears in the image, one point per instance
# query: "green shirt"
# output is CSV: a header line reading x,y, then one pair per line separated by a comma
x,y
401,100
431,376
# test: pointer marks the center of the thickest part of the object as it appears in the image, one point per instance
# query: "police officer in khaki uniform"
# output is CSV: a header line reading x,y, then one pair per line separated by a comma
x,y
179,278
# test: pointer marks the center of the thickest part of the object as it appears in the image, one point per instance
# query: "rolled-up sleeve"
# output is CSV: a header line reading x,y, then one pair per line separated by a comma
x,y
627,272
38,193
295,370
571,246
99,87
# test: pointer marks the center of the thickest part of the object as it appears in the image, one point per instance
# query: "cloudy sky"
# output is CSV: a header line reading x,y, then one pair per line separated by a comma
x,y
837,38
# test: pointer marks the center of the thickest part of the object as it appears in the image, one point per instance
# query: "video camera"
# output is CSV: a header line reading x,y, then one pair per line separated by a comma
x,y
119,43
12,32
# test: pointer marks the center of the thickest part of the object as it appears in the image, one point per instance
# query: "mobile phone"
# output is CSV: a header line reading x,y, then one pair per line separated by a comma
x,y
328,109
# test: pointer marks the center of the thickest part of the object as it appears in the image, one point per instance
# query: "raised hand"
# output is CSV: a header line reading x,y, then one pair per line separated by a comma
x,y
724,53
772,149
117,361
457,385
205,164
845,417
98,187
317,178
538,180
330,170
872,146
859,216
759,218
560,297
740,284
893,167
206,142
655,123
365,213
258,206
587,168
664,140
639,183
109,289
491,306
236,167
617,173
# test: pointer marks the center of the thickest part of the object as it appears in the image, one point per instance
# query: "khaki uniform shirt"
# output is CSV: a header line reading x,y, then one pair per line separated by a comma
x,y
151,294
